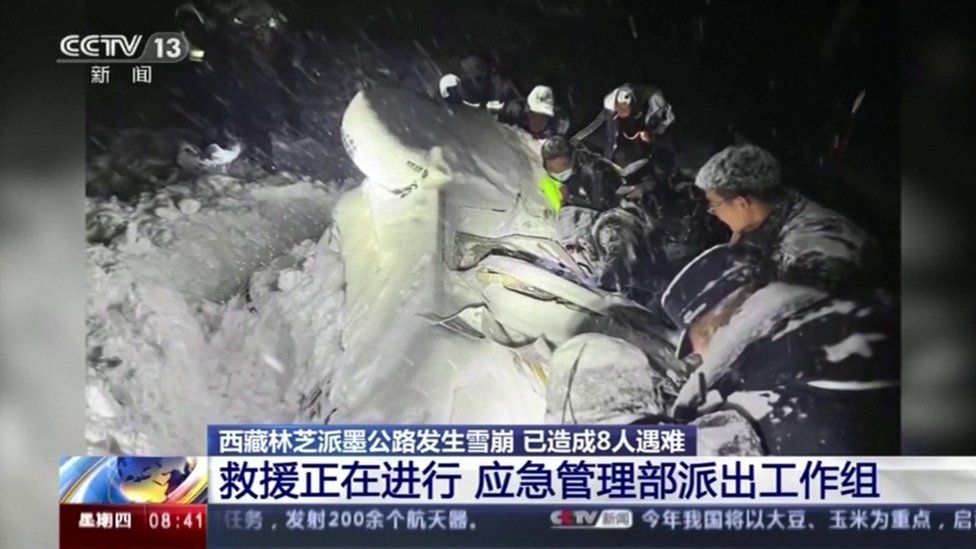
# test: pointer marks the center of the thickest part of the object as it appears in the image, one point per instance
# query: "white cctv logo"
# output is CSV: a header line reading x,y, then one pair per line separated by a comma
x,y
100,45
611,519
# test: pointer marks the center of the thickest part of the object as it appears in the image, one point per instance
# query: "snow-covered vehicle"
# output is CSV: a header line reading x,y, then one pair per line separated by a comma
x,y
457,290
433,292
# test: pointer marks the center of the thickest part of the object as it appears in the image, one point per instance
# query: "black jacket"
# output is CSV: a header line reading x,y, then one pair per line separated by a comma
x,y
650,112
594,182
804,243
818,375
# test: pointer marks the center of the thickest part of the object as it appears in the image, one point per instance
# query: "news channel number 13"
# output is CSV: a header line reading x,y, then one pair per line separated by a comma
x,y
159,47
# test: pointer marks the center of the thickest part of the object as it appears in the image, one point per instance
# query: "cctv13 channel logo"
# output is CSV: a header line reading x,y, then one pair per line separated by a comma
x,y
602,519
161,47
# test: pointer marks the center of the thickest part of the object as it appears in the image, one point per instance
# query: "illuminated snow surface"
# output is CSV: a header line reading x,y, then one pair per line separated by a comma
x,y
204,309
222,299
226,299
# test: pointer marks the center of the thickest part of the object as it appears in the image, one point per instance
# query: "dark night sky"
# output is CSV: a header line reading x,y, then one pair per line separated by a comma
x,y
791,65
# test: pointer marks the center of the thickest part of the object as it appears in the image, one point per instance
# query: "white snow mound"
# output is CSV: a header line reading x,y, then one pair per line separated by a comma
x,y
187,323
434,292
432,173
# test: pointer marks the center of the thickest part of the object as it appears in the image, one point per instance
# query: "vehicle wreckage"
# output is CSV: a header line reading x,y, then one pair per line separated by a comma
x,y
457,290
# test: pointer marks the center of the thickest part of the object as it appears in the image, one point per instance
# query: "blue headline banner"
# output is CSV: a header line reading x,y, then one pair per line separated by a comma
x,y
530,479
589,525
458,440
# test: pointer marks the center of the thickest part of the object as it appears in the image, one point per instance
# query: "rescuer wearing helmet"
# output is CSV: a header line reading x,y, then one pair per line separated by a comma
x,y
538,114
577,177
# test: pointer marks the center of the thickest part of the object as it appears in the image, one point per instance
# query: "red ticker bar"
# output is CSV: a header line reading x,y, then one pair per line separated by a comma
x,y
133,526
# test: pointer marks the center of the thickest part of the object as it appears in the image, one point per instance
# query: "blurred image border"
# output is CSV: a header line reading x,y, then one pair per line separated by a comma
x,y
42,257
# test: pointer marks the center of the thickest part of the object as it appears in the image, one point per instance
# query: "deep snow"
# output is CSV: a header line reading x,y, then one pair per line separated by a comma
x,y
223,299
208,301
433,292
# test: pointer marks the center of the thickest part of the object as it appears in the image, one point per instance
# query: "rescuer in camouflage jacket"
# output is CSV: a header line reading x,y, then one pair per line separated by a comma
x,y
789,237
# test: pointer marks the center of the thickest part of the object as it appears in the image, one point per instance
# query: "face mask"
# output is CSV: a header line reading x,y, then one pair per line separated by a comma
x,y
564,175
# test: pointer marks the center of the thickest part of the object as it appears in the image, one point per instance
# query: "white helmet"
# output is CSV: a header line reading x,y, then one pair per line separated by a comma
x,y
541,101
625,94
448,81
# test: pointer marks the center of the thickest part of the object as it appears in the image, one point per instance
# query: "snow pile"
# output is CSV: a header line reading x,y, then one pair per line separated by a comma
x,y
434,292
228,300
433,173
727,433
596,378
204,301
600,379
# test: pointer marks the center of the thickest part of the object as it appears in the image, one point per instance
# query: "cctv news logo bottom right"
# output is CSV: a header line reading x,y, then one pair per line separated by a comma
x,y
603,519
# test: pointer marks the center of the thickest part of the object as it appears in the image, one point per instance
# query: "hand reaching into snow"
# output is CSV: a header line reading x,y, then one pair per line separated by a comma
x,y
694,398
